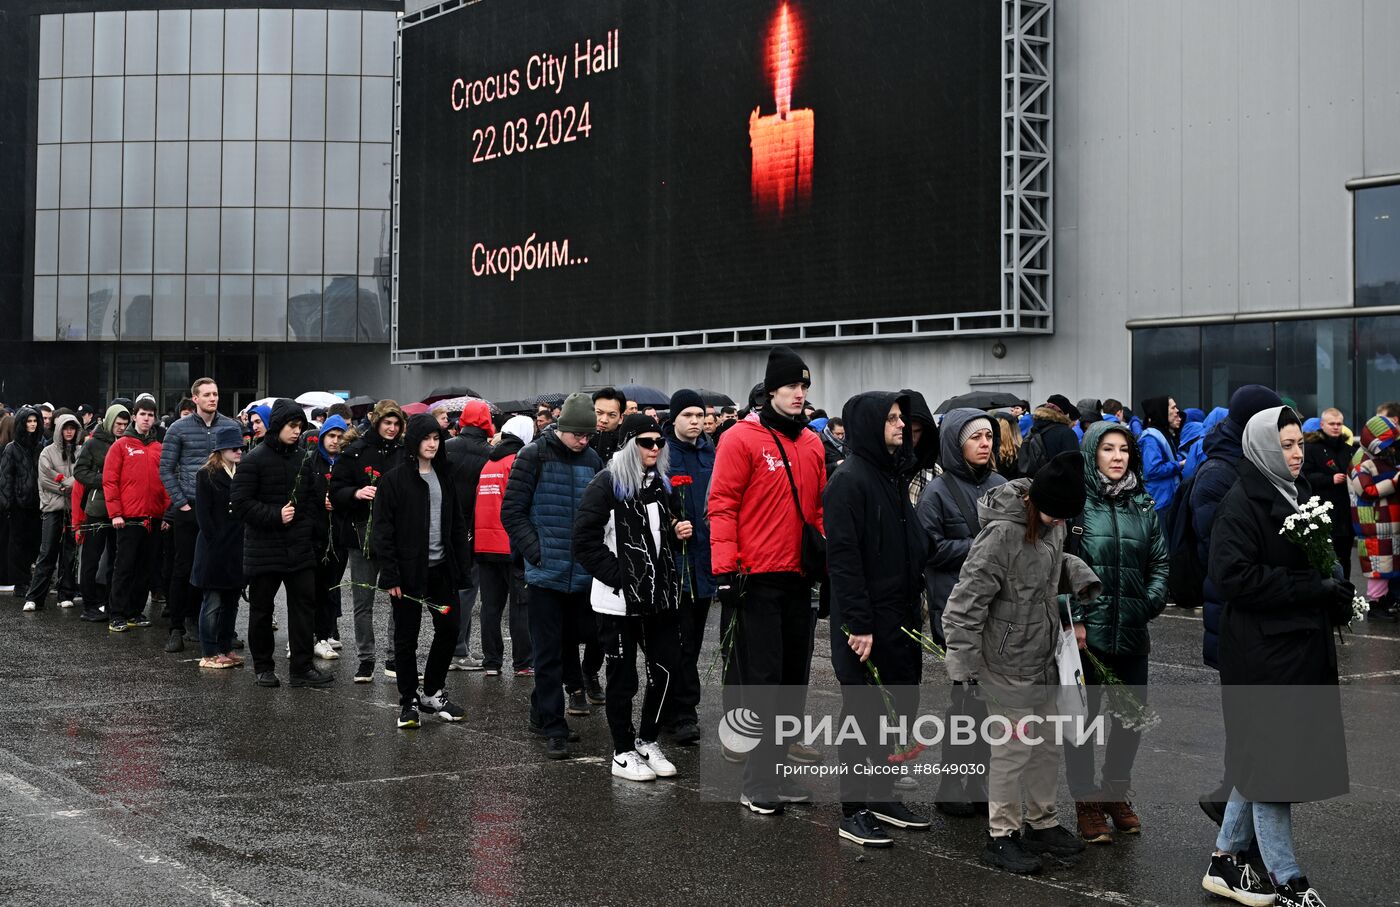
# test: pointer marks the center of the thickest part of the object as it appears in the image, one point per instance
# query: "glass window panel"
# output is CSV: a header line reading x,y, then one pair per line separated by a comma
x,y
270,241
304,244
377,44
236,308
72,308
45,307
342,109
1377,237
376,110
50,110
342,175
109,44
270,308
141,42
207,40
374,311
275,40
308,107
274,163
107,109
303,308
342,229
236,241
173,47
206,107
203,241
308,174
374,240
46,242
376,179
241,40
140,120
46,177
240,106
309,41
206,173
103,306
1167,361
238,173
340,303
77,110
1315,360
77,44
75,163
137,226
139,174
172,107
201,308
171,160
51,46
1233,355
107,175
105,241
136,308
170,241
343,41
274,106
1377,366
168,308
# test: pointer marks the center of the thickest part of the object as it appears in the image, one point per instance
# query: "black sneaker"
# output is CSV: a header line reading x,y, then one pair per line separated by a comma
x,y
1235,879
900,816
956,809
408,717
1056,841
595,690
176,642
314,677
578,705
95,617
117,626
237,644
439,705
139,620
1298,893
557,748
762,807
266,679
863,829
365,672
1008,853
389,671
687,733
790,791
539,731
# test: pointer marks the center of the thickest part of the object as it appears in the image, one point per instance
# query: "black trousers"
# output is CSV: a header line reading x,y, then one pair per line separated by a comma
x,y
772,652
5,579
1346,553
592,648
408,620
25,532
56,556
555,618
685,702
329,572
164,558
1120,752
134,562
97,543
183,599
502,585
658,635
262,594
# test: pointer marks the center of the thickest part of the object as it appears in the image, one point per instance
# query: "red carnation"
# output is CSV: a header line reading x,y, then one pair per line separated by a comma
x,y
681,481
58,478
369,470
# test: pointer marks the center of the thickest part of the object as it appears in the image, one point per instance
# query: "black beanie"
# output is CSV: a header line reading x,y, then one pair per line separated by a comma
x,y
1249,401
1061,402
684,399
636,424
1058,487
785,367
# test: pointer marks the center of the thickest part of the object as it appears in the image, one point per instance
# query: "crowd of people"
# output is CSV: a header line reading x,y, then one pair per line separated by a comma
x,y
600,530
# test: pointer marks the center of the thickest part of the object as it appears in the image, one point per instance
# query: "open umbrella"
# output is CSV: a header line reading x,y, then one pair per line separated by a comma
x,y
978,400
313,399
359,405
714,398
514,406
457,404
644,395
442,393
265,401
551,399
414,409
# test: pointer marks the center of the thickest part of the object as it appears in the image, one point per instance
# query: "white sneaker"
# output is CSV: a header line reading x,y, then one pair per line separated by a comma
x,y
323,649
66,603
655,759
632,767
9,588
30,606
334,643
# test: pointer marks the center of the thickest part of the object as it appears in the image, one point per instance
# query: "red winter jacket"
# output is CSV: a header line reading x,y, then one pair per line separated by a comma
x,y
490,536
754,526
131,479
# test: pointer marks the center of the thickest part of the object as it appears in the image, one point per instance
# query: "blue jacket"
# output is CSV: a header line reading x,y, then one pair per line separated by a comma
x,y
1216,476
1197,455
1161,471
696,460
547,482
186,449
1192,434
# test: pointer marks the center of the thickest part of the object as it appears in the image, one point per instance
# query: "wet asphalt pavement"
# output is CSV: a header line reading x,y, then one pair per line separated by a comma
x,y
128,776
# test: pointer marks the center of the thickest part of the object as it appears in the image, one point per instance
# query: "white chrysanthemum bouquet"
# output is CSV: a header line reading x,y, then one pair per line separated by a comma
x,y
1311,529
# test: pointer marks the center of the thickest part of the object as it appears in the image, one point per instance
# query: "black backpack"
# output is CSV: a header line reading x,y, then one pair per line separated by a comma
x,y
1032,455
1187,580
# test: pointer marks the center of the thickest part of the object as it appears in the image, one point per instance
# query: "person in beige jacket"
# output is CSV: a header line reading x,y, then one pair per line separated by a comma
x,y
1003,627
56,550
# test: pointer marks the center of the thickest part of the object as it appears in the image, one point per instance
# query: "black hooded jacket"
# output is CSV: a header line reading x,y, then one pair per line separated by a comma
x,y
368,452
467,454
19,464
875,549
265,482
926,451
402,514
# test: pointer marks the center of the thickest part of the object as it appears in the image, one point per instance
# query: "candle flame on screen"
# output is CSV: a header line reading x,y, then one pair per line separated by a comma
x,y
782,93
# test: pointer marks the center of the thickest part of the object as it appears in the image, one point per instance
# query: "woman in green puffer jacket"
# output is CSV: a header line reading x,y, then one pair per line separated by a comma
x,y
1121,540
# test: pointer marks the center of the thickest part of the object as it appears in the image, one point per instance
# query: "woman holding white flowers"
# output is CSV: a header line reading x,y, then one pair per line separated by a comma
x,y
1276,632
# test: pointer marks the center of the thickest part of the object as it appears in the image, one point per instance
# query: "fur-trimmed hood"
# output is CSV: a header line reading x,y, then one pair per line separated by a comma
x,y
1050,414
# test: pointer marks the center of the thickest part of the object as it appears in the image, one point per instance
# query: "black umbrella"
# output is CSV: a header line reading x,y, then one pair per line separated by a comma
x,y
978,400
644,395
714,398
442,393
359,405
514,406
551,399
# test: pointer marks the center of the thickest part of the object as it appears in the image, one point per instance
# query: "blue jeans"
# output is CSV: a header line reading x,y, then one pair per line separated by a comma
x,y
1272,824
216,617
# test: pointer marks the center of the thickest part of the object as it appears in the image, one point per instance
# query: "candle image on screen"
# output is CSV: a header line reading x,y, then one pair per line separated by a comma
x,y
781,169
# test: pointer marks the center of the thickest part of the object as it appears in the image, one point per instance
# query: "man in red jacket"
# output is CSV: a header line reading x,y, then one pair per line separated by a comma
x,y
502,572
136,499
768,479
